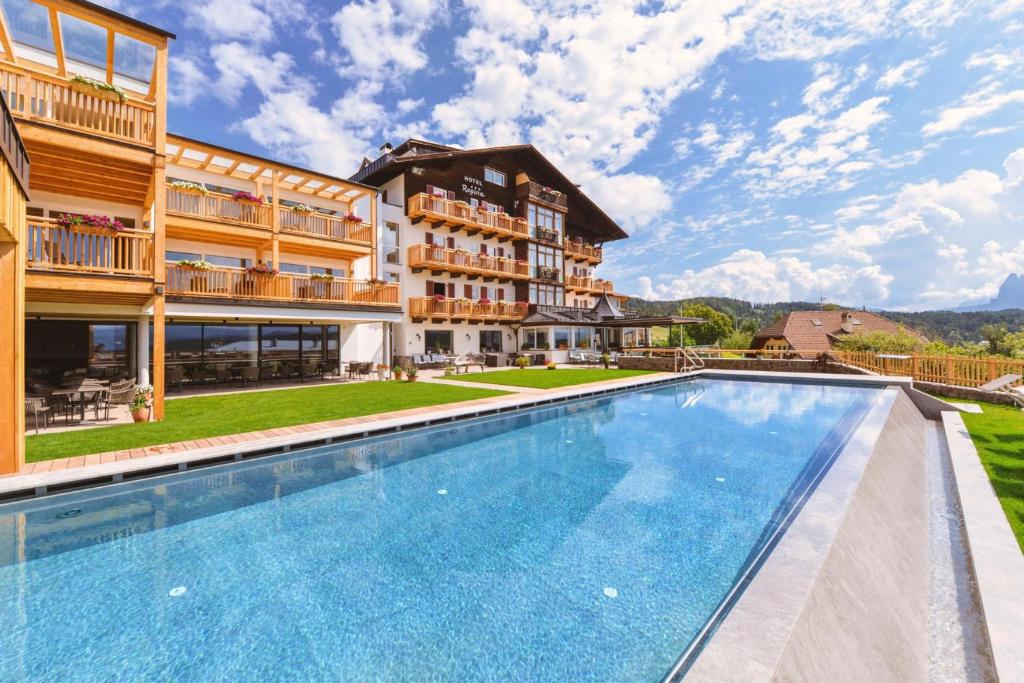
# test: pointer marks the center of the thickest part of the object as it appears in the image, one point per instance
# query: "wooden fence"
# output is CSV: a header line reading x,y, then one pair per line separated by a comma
x,y
961,371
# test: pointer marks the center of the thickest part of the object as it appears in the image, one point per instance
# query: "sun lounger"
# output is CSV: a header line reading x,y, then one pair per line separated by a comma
x,y
1004,385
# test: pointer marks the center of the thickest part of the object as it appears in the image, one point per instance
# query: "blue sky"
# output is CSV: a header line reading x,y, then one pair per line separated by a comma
x,y
871,150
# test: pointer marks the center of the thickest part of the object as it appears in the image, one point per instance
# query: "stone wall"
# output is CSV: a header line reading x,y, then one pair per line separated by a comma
x,y
763,364
968,393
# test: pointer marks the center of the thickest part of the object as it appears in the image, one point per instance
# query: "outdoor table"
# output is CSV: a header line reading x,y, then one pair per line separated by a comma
x,y
78,389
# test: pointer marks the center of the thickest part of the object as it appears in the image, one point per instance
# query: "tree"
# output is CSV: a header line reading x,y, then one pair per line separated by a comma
x,y
994,335
715,326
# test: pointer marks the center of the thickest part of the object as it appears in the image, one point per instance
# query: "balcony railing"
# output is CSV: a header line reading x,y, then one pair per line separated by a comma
x,y
84,249
546,235
232,283
588,284
322,225
579,250
217,207
471,219
548,273
57,100
422,307
458,261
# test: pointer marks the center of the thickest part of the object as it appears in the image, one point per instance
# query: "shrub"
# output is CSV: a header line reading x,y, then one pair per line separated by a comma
x,y
522,362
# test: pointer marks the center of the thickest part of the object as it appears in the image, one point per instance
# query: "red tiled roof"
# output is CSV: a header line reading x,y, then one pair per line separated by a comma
x,y
811,332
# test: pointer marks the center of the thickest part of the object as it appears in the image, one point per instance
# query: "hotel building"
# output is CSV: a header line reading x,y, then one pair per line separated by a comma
x,y
496,252
130,252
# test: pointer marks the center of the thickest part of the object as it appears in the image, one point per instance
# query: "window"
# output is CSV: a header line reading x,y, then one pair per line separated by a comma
x,y
296,268
133,58
547,295
438,341
537,339
235,344
181,256
29,23
563,337
544,220
84,42
584,338
495,177
391,277
490,341
279,342
390,236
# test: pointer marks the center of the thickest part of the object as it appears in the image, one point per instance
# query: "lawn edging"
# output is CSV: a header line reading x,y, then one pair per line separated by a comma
x,y
995,553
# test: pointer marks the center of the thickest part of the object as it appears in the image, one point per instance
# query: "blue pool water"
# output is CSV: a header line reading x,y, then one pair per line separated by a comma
x,y
585,542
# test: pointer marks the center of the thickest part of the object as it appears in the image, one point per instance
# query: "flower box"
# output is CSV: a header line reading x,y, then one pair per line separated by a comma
x,y
351,218
67,220
247,197
261,269
189,187
98,89
195,265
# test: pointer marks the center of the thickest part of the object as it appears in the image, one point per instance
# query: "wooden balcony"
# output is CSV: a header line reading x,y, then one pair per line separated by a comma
x,y
578,251
434,308
440,259
56,100
457,216
88,250
214,206
235,284
324,226
577,283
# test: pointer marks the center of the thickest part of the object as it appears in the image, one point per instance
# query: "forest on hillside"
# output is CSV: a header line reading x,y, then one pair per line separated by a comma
x,y
950,327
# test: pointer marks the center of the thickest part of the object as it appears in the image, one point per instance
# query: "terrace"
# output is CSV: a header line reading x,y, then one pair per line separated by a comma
x,y
440,259
581,252
588,284
457,215
238,284
90,250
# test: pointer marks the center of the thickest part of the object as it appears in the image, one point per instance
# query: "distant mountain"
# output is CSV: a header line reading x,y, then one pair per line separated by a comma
x,y
949,326
1010,295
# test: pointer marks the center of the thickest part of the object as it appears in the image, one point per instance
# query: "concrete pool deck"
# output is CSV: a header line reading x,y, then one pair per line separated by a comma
x,y
814,558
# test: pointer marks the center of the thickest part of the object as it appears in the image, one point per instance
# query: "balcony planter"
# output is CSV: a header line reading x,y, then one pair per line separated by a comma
x,y
105,223
303,209
352,218
247,198
188,187
324,277
98,89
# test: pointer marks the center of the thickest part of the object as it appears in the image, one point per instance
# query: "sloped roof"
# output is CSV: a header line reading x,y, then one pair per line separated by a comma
x,y
416,152
811,332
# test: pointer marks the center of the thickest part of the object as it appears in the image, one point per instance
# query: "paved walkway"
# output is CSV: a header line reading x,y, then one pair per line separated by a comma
x,y
84,467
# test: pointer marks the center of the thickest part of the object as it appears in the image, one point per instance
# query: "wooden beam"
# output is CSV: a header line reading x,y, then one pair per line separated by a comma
x,y
373,236
206,161
5,39
259,171
178,154
231,169
275,219
58,42
110,55
75,9
295,186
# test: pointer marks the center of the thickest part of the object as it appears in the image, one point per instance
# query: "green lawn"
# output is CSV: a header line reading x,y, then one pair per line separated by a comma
x,y
547,379
998,434
202,417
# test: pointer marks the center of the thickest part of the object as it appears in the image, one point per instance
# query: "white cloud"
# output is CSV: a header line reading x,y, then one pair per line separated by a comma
x,y
972,106
250,20
904,74
381,39
755,276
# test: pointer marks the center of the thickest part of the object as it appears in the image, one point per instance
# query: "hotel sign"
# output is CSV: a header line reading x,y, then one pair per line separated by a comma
x,y
474,187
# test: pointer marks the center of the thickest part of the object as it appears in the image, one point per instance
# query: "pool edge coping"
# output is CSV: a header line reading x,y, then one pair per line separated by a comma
x,y
774,599
995,555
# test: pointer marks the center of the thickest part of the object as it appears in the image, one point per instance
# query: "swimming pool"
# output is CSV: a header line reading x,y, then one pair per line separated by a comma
x,y
589,541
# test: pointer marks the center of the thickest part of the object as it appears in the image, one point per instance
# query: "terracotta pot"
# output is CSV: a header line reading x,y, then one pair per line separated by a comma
x,y
412,378
141,415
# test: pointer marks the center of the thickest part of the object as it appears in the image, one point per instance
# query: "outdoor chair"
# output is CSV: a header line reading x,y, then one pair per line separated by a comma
x,y
438,360
310,371
249,375
267,372
576,358
173,377
36,407
121,396
329,369
223,375
468,360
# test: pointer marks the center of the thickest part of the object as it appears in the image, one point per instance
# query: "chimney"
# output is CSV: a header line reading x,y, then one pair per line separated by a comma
x,y
386,148
847,319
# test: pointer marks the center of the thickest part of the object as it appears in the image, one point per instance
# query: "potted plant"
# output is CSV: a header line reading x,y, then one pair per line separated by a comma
x,y
411,373
397,372
550,365
524,347
140,405
261,269
545,346
100,89
351,218
382,370
305,209
606,360
522,362
197,264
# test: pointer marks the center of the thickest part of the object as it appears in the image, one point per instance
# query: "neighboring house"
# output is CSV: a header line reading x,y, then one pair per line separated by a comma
x,y
482,238
808,333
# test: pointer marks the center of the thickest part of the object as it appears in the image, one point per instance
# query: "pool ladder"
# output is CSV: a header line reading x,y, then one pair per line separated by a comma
x,y
687,360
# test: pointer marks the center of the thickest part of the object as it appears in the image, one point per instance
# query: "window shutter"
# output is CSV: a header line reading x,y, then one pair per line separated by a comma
x,y
483,249
429,236
451,195
430,288
451,242
500,293
483,292
467,291
451,290
499,209
430,189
